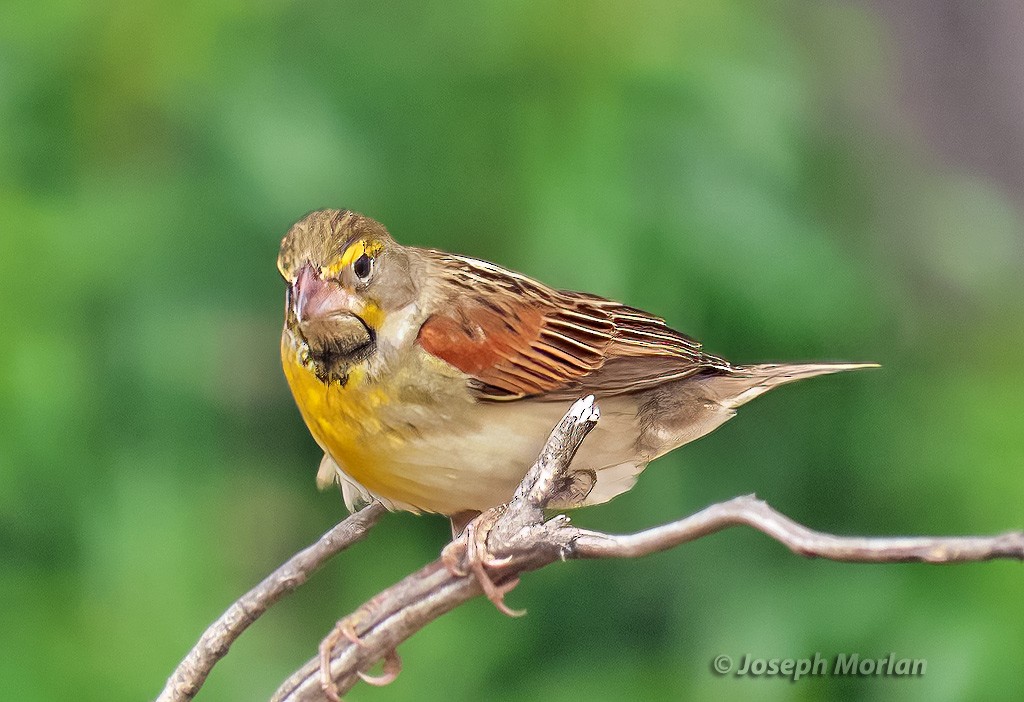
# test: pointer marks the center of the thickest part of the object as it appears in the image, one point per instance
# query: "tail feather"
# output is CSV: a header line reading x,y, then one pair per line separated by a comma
x,y
745,383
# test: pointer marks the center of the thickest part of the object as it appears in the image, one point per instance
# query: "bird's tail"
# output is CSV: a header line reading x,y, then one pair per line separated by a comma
x,y
744,383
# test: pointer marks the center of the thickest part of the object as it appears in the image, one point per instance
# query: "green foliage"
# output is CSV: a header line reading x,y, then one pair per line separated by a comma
x,y
719,163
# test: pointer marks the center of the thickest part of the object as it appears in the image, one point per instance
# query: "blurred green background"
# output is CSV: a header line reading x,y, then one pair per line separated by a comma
x,y
784,183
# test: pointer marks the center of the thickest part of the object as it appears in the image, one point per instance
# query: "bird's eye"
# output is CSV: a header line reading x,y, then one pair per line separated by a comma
x,y
362,267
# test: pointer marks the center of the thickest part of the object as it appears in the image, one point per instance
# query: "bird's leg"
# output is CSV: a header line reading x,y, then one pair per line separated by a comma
x,y
454,553
461,519
468,553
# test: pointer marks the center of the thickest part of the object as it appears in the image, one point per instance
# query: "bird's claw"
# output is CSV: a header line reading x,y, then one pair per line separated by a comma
x,y
392,667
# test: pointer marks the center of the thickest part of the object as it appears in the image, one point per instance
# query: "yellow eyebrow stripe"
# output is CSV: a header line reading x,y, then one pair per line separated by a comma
x,y
352,253
369,247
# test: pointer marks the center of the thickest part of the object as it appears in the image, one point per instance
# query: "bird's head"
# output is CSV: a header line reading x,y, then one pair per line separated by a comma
x,y
345,274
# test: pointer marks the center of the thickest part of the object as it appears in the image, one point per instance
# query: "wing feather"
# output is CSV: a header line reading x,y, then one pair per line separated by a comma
x,y
516,337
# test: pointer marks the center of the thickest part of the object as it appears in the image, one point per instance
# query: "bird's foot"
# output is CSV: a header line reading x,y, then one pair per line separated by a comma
x,y
346,629
468,554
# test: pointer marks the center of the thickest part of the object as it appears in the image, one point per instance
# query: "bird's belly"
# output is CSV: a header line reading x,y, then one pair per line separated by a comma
x,y
467,463
477,460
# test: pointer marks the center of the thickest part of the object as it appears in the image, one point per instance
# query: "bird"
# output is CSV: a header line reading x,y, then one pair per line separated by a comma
x,y
431,380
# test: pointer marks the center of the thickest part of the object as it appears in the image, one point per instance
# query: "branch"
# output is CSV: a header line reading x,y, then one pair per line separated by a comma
x,y
749,511
517,534
213,645
510,540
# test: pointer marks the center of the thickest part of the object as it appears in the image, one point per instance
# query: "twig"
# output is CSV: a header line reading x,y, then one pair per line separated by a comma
x,y
750,511
519,534
213,645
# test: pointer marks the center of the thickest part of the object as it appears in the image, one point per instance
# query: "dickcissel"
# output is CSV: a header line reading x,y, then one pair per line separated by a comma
x,y
432,380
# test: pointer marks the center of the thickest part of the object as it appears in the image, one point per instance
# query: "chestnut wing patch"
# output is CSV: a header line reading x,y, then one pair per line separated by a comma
x,y
517,338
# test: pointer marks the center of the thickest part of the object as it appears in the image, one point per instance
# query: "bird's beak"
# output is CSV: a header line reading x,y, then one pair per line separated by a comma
x,y
321,313
312,297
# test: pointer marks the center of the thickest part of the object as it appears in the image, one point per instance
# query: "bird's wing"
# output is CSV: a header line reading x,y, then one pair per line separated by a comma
x,y
518,338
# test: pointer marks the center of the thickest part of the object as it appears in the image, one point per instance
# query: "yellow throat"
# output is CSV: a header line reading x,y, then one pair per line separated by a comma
x,y
343,419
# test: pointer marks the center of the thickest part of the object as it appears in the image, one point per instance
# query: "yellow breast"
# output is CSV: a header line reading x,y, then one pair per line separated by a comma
x,y
412,433
347,421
